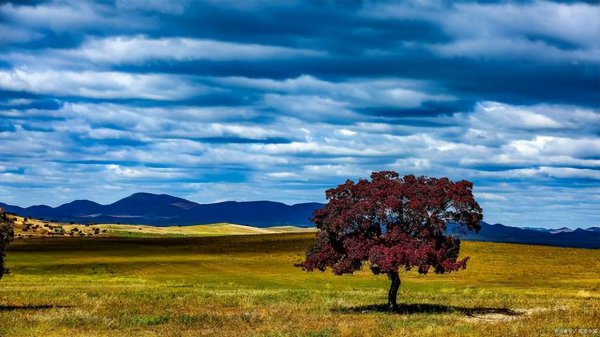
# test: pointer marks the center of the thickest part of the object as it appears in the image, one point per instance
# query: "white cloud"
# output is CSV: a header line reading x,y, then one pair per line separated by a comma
x,y
346,132
546,145
160,121
315,148
242,131
330,170
513,48
569,172
283,175
577,23
392,92
62,16
161,6
139,49
490,196
106,84
497,117
416,165
309,107
546,172
532,30
120,172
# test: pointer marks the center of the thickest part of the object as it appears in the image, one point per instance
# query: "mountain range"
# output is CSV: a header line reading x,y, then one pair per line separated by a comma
x,y
564,237
166,210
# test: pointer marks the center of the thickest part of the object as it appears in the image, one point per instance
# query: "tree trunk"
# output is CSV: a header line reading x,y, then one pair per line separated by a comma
x,y
393,293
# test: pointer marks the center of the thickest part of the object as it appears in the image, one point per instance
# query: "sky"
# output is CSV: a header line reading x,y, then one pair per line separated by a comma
x,y
281,100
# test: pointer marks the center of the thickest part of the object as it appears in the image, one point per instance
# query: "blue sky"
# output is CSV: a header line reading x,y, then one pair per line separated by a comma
x,y
220,100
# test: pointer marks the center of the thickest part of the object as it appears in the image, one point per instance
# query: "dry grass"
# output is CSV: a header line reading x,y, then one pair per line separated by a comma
x,y
199,230
33,228
247,286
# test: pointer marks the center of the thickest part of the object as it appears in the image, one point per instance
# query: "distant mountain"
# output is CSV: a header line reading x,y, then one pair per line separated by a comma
x,y
166,210
539,229
561,230
500,233
77,207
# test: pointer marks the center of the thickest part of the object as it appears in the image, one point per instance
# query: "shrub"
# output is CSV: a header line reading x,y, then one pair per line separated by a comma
x,y
7,234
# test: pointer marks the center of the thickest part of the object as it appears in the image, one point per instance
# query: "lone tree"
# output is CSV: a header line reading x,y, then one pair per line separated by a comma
x,y
6,236
393,223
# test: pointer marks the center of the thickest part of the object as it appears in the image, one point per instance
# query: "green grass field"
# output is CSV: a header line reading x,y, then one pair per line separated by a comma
x,y
248,286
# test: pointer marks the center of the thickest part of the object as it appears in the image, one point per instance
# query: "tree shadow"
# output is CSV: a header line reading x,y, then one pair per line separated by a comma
x,y
425,308
30,307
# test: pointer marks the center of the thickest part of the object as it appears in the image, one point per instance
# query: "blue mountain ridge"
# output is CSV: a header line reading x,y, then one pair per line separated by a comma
x,y
166,210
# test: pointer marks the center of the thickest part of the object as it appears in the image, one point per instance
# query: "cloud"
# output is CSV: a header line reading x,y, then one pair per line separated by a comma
x,y
494,115
264,100
490,196
530,30
396,92
10,34
153,6
548,172
515,49
139,49
346,132
129,173
575,23
309,107
105,84
62,16
545,145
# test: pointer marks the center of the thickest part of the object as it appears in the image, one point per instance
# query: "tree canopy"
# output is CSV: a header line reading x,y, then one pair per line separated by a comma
x,y
6,236
393,223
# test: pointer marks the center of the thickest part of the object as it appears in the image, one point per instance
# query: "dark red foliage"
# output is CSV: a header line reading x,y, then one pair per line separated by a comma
x,y
393,223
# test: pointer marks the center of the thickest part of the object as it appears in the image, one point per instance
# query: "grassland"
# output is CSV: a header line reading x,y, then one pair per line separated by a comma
x,y
36,228
248,286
